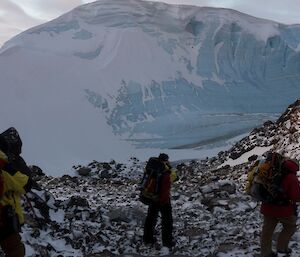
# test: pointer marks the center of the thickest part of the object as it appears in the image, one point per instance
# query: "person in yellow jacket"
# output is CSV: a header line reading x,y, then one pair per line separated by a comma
x,y
12,187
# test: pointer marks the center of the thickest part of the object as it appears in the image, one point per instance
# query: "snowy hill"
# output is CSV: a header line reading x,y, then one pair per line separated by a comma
x,y
281,136
99,214
112,78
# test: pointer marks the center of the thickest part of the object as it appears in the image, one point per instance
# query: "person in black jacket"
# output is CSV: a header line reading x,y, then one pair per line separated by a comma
x,y
11,145
162,206
15,181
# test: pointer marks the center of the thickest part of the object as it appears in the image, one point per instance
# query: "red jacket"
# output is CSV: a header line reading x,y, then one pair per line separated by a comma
x,y
291,187
165,192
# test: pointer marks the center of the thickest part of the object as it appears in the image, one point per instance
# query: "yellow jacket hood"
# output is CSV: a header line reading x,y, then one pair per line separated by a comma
x,y
13,188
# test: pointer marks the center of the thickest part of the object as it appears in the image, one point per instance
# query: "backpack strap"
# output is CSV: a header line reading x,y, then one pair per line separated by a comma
x,y
277,160
1,186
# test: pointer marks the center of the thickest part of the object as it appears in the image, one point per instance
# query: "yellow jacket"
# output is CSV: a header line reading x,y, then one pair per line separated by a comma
x,y
173,175
13,189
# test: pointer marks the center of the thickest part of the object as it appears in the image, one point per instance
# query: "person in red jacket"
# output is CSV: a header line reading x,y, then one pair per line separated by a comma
x,y
284,214
163,206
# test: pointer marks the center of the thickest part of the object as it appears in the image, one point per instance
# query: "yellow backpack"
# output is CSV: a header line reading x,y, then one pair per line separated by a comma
x,y
264,180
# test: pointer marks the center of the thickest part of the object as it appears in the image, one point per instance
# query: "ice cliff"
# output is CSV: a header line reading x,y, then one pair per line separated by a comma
x,y
156,75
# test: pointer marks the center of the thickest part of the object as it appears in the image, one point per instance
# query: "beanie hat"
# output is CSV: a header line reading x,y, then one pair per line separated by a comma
x,y
12,141
291,166
163,157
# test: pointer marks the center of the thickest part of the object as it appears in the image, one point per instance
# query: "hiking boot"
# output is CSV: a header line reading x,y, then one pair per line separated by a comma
x,y
151,241
285,253
170,245
271,255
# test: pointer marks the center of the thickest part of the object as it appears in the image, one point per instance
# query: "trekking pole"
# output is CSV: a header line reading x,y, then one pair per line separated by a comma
x,y
30,206
36,218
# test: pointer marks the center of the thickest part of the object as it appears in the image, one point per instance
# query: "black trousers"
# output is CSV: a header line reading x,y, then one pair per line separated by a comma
x,y
12,246
166,223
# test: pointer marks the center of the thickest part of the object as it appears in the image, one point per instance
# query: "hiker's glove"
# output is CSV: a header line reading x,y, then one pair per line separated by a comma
x,y
174,176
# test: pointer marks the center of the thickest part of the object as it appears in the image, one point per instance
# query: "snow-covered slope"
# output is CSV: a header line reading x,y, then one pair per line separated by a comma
x,y
281,136
101,216
151,74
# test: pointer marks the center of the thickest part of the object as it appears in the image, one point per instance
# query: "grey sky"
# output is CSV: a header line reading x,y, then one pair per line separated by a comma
x,y
19,15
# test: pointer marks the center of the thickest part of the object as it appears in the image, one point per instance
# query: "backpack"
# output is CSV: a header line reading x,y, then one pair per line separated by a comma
x,y
150,184
265,178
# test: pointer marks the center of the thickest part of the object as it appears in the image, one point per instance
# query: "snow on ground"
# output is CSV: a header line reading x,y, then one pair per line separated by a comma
x,y
244,158
100,214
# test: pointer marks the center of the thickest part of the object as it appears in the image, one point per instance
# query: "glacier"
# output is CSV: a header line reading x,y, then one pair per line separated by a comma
x,y
138,75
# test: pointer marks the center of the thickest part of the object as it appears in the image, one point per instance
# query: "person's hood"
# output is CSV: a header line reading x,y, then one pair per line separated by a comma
x,y
10,142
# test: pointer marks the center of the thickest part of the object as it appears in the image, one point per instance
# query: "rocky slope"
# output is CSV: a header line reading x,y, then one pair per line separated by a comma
x,y
100,214
282,135
97,212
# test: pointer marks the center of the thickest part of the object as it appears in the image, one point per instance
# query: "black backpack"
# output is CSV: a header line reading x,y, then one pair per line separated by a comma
x,y
150,184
